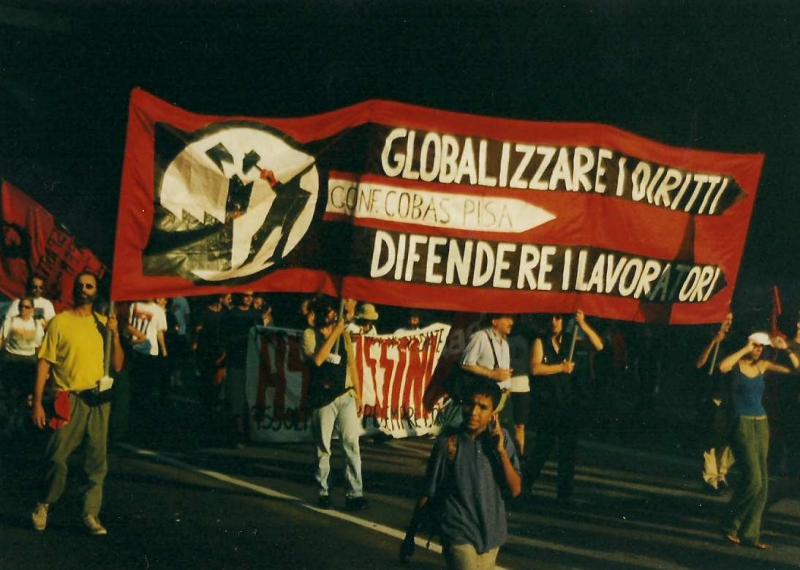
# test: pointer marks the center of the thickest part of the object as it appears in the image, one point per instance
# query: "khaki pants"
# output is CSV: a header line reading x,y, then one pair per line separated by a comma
x,y
717,464
465,557
90,424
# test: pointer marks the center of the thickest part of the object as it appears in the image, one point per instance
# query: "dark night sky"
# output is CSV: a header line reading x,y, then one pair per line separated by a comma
x,y
706,75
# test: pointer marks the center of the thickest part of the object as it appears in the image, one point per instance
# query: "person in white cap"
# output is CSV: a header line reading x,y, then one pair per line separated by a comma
x,y
365,320
750,436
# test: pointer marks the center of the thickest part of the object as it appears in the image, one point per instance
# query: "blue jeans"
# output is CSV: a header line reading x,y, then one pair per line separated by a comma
x,y
342,411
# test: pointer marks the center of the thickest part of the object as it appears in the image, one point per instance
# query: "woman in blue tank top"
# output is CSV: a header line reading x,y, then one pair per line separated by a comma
x,y
750,437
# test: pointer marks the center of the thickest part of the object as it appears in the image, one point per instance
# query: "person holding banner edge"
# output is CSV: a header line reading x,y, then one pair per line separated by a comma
x,y
555,400
334,399
718,457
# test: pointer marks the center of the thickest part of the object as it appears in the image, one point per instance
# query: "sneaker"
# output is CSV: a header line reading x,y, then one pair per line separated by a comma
x,y
93,524
39,516
324,501
353,504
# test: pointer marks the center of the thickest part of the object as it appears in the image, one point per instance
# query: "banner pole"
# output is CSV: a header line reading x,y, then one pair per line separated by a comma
x,y
574,339
107,343
713,360
339,340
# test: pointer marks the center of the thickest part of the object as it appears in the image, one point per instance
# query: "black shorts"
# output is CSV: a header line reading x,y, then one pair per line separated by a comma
x,y
520,407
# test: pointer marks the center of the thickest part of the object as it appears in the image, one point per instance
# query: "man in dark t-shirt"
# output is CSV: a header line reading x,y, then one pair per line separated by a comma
x,y
470,472
555,399
235,328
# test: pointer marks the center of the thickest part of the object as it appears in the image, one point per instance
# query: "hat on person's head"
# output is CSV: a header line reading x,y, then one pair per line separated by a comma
x,y
367,312
495,316
761,338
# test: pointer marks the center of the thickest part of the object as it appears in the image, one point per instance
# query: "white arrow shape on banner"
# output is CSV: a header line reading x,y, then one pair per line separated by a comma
x,y
388,203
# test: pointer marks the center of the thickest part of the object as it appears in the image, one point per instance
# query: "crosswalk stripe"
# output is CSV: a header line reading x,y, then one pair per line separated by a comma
x,y
272,493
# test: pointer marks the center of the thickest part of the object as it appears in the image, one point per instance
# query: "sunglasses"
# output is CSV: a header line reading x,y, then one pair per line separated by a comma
x,y
27,306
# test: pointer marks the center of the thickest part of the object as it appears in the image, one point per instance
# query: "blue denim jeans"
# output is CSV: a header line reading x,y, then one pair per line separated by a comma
x,y
342,412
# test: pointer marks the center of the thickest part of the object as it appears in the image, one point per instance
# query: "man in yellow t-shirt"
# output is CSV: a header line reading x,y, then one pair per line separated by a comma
x,y
72,354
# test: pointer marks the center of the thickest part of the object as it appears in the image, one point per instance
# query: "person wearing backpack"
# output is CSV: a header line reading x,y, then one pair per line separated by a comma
x,y
471,472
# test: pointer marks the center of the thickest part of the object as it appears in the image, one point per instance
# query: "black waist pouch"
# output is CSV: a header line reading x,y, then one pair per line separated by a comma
x,y
95,397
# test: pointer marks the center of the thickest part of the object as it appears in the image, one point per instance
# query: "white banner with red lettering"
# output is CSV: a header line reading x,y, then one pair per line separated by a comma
x,y
395,373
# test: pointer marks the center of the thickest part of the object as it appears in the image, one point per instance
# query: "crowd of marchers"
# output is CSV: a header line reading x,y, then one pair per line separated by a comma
x,y
87,374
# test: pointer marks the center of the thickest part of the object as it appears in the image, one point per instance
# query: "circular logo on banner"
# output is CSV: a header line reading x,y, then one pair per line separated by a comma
x,y
234,202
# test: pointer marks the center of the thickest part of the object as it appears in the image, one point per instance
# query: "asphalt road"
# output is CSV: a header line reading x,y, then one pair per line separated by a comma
x,y
182,500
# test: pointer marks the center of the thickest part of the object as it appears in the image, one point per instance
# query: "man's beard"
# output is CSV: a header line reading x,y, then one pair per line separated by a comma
x,y
81,299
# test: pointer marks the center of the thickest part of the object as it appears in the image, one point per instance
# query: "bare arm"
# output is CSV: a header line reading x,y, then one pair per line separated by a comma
x,y
496,375
162,344
42,375
780,344
538,366
117,354
513,479
474,347
776,368
136,334
325,350
704,356
795,360
730,361
591,334
407,546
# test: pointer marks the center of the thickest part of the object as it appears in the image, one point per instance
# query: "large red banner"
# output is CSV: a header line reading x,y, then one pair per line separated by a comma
x,y
403,205
35,244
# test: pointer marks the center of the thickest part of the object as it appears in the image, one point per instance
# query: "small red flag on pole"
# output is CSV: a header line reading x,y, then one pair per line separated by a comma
x,y
777,310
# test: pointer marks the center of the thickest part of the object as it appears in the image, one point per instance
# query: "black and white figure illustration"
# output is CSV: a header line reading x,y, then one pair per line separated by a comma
x,y
232,204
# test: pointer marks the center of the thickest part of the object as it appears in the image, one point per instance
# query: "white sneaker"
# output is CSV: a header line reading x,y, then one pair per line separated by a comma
x,y
93,524
39,516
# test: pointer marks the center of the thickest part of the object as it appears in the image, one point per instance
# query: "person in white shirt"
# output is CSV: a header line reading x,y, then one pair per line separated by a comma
x,y
20,336
147,322
147,325
487,353
43,309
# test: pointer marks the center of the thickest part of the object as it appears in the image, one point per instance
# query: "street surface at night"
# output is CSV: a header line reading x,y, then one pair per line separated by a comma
x,y
177,502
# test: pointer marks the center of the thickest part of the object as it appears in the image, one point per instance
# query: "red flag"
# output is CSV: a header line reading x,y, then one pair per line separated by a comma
x,y
777,311
35,244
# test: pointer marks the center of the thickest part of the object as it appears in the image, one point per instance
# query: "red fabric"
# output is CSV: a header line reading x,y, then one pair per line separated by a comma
x,y
602,223
62,407
34,243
